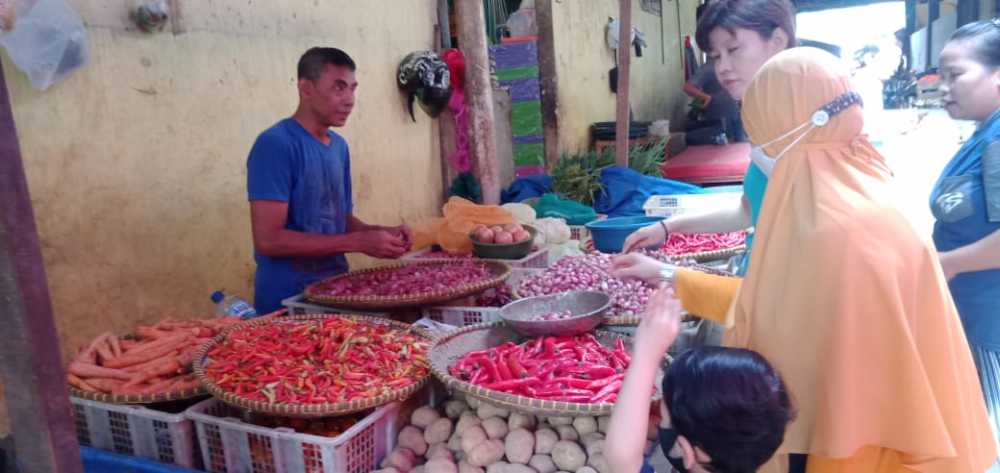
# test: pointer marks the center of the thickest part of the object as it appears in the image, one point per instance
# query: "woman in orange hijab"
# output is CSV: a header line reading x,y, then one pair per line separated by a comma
x,y
842,296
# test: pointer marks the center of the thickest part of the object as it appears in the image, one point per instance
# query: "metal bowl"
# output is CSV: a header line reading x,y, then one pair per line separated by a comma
x,y
587,307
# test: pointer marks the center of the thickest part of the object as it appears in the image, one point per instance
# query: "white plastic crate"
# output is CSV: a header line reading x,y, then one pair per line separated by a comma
x,y
137,431
233,446
461,316
538,259
298,305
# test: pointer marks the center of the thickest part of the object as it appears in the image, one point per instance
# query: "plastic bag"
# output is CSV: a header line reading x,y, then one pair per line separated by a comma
x,y
522,212
575,213
570,248
48,41
452,231
552,231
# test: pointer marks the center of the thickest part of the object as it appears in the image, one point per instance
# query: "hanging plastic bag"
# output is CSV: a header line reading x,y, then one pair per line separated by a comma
x,y
47,40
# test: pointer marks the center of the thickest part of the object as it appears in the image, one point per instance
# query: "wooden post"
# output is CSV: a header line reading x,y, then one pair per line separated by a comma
x,y
624,58
548,80
446,132
30,360
478,94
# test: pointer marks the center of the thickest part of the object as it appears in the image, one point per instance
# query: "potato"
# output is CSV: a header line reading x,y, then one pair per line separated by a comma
x,y
557,421
602,424
419,469
503,238
593,443
520,235
585,425
567,432
471,438
486,453
413,439
516,468
498,467
486,411
454,409
439,450
402,459
473,403
496,228
599,463
588,469
484,235
438,431
545,439
465,467
519,444
424,416
543,463
518,420
495,428
455,443
440,465
568,455
466,421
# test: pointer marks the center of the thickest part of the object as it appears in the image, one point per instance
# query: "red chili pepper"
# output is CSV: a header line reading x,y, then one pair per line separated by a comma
x,y
600,383
512,383
571,382
516,369
491,369
504,370
609,389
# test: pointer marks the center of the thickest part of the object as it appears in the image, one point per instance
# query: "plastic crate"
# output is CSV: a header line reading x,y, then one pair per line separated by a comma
x,y
461,316
578,232
137,431
538,259
298,305
230,445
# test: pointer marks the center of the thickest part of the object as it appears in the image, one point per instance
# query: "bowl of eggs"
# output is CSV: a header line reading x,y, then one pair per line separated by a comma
x,y
510,241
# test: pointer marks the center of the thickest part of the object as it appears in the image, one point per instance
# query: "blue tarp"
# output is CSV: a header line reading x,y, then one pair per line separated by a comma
x,y
527,187
625,191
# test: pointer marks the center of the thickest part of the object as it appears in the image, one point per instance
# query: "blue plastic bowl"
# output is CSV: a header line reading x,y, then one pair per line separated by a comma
x,y
609,235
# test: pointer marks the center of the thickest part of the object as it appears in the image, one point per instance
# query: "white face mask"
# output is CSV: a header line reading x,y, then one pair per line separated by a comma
x,y
818,119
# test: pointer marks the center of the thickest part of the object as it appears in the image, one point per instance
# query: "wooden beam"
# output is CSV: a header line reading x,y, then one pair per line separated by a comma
x,y
548,80
30,360
478,94
444,24
624,58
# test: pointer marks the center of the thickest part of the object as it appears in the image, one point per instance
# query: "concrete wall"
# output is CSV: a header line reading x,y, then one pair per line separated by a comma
x,y
583,62
136,164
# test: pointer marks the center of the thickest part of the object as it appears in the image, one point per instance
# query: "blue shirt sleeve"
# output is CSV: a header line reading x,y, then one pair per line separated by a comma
x,y
348,189
269,169
991,181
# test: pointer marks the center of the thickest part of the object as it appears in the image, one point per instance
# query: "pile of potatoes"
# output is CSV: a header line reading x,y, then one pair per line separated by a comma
x,y
469,436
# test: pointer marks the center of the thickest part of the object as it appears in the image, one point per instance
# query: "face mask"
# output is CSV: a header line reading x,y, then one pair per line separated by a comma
x,y
668,437
818,119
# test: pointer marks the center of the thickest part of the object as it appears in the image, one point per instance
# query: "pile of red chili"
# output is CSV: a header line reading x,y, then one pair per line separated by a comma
x,y
687,243
407,280
331,360
568,369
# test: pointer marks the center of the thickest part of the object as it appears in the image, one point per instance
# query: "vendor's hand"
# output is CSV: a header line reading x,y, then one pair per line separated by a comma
x,y
404,233
659,326
382,244
636,266
645,237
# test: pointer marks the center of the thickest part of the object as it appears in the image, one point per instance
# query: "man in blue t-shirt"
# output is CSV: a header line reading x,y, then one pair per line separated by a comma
x,y
299,186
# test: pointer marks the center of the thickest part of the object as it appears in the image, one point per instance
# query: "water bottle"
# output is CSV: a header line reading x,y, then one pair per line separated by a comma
x,y
232,306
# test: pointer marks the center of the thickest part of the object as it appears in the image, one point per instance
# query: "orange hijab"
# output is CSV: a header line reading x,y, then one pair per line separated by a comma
x,y
844,298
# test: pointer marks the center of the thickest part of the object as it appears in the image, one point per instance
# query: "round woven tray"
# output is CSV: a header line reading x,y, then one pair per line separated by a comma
x,y
500,272
587,246
285,409
181,395
449,348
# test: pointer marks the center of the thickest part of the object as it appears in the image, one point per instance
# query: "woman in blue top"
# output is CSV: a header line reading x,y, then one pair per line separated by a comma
x,y
966,199
739,37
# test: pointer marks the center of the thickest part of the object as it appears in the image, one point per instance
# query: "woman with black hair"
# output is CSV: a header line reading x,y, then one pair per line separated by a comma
x,y
966,199
724,410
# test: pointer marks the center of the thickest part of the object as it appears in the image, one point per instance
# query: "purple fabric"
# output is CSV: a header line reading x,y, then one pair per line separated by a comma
x,y
512,56
524,90
522,171
529,139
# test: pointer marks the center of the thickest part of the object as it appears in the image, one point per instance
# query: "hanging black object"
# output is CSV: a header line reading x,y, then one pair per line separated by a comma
x,y
613,79
424,76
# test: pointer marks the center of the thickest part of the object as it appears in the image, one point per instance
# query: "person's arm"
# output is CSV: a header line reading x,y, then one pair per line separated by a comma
x,y
705,295
626,436
724,220
697,93
271,238
403,232
355,224
981,255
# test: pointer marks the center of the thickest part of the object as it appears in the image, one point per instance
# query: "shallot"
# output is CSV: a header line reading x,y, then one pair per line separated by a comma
x,y
588,273
555,315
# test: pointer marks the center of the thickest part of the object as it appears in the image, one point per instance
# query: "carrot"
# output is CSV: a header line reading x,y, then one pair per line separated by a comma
x,y
144,331
104,350
127,344
83,356
80,384
160,386
116,346
185,383
127,390
86,370
104,384
186,358
146,346
151,363
167,367
134,357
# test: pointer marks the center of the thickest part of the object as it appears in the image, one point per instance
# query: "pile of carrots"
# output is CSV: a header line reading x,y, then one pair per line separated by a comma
x,y
157,359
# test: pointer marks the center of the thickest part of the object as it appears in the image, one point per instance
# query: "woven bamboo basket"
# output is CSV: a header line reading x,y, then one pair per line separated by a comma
x,y
171,396
448,349
500,272
285,409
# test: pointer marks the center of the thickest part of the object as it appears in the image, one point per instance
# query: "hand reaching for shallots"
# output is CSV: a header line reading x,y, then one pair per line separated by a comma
x,y
659,326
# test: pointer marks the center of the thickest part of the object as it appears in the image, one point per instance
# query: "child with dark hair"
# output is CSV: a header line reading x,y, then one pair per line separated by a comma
x,y
724,410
